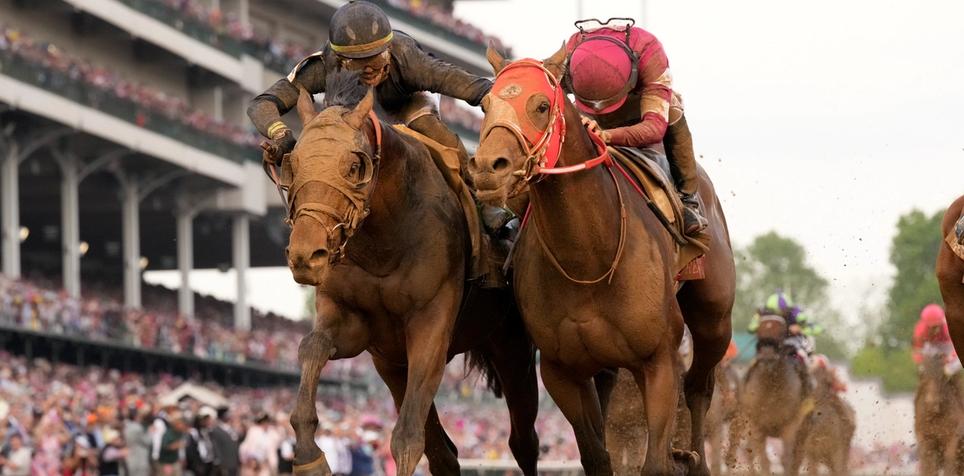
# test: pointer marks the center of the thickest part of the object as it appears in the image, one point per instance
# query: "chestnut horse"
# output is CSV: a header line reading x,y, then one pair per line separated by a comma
x,y
773,397
950,276
829,429
938,419
593,267
383,239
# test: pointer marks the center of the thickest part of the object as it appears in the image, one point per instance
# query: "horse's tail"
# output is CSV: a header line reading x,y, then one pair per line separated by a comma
x,y
481,361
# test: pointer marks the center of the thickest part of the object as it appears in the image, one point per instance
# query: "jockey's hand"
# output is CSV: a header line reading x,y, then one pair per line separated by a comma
x,y
593,127
275,149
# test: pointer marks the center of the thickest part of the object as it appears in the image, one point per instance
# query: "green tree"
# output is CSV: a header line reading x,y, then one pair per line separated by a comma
x,y
913,253
774,262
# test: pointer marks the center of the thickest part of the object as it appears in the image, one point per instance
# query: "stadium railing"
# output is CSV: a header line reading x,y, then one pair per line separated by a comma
x,y
103,100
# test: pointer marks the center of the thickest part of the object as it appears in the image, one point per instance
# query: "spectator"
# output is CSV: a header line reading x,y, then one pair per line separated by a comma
x,y
113,455
259,450
17,461
286,452
138,442
335,446
169,459
199,454
227,460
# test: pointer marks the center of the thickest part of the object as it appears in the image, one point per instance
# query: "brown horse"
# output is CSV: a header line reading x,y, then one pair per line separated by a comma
x,y
938,419
389,265
830,427
721,418
593,267
950,276
772,400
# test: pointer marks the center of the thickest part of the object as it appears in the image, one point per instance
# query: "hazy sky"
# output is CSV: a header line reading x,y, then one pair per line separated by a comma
x,y
823,120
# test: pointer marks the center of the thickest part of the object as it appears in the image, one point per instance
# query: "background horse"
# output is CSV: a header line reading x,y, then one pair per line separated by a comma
x,y
397,286
772,400
938,418
829,429
950,274
594,268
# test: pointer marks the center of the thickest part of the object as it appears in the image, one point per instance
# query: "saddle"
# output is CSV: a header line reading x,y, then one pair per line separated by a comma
x,y
650,170
447,160
955,239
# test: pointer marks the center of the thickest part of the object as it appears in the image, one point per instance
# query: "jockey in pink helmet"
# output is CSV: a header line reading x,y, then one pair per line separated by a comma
x,y
932,337
621,80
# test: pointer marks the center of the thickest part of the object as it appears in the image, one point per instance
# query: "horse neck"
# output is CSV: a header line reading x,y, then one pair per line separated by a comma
x,y
577,202
388,233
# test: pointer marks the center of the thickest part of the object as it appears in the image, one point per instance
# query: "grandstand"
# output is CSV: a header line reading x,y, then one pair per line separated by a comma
x,y
125,148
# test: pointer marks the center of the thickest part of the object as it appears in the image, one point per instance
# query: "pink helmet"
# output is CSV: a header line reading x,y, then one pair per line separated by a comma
x,y
932,315
602,71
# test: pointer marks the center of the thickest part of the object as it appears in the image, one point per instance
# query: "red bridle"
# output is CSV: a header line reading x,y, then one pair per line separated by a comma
x,y
514,85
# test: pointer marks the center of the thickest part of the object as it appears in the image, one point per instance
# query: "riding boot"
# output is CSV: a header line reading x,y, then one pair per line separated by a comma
x,y
678,143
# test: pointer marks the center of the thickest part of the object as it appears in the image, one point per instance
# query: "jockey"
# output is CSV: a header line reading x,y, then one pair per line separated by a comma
x,y
932,337
620,78
800,328
837,385
401,72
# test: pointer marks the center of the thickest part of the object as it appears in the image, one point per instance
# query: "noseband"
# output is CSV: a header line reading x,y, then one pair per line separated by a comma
x,y
348,220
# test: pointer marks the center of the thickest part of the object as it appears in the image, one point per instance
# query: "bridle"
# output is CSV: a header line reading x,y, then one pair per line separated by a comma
x,y
543,148
347,220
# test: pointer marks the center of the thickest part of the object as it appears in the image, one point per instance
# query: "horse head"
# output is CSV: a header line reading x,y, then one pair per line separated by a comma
x,y
933,382
524,125
330,177
771,334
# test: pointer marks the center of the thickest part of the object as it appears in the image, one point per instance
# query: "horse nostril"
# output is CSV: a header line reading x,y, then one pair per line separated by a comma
x,y
287,252
500,164
319,255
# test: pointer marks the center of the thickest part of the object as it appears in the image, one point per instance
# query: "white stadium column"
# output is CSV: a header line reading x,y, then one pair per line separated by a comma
x,y
70,221
185,259
10,189
130,224
241,260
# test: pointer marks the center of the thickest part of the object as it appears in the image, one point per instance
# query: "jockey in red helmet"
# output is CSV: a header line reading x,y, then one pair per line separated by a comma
x,y
621,80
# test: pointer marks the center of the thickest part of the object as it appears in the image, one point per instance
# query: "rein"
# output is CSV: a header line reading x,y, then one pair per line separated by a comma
x,y
543,148
347,221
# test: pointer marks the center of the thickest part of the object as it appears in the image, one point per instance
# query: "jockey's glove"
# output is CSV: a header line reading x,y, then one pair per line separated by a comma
x,y
276,148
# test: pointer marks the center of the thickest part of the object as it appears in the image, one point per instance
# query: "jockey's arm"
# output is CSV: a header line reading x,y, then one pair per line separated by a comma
x,y
424,72
266,109
657,92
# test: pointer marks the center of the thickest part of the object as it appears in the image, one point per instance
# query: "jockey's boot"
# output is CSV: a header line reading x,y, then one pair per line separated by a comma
x,y
693,219
678,143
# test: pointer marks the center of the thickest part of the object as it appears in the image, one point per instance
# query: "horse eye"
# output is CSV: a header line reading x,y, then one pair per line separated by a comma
x,y
543,107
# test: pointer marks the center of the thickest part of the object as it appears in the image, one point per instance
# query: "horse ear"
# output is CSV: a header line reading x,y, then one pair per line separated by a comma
x,y
305,106
356,118
495,58
556,64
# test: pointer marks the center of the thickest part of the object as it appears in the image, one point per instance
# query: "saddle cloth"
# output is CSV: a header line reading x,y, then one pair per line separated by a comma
x,y
955,239
447,160
650,170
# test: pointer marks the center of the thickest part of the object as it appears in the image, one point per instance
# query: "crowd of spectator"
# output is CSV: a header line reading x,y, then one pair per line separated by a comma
x,y
60,419
283,55
453,112
100,315
111,86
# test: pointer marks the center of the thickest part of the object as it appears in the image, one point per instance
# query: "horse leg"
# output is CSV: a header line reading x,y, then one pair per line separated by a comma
x,y
792,452
658,382
428,334
440,451
332,325
734,435
714,437
513,358
757,447
706,311
579,403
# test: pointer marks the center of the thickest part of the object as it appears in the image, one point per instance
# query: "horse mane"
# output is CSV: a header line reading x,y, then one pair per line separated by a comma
x,y
345,89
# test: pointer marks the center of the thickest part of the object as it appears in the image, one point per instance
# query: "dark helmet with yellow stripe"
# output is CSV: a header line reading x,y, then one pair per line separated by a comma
x,y
359,30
